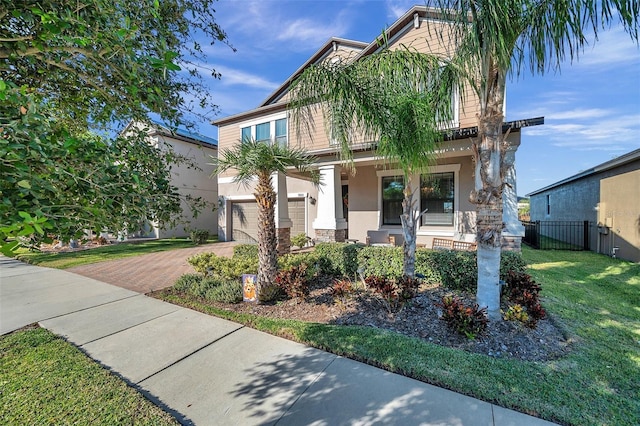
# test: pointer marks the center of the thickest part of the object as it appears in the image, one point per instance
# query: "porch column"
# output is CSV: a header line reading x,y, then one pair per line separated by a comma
x,y
513,230
330,224
283,222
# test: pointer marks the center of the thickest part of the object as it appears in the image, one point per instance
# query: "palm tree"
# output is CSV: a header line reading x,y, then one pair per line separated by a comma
x,y
374,99
491,39
497,38
253,159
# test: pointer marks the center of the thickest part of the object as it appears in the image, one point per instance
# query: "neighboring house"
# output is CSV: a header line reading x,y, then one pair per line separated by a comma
x,y
347,206
607,196
196,183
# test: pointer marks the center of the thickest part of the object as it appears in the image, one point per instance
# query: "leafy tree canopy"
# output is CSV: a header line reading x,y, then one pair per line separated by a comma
x,y
101,61
70,67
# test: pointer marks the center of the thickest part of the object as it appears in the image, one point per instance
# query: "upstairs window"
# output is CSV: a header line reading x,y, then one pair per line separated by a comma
x,y
281,132
437,195
392,196
245,134
263,133
268,132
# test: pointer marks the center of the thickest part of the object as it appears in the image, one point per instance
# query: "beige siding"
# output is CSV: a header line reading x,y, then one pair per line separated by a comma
x,y
619,209
196,183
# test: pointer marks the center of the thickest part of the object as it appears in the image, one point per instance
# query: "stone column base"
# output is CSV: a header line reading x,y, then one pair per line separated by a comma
x,y
331,235
512,243
284,241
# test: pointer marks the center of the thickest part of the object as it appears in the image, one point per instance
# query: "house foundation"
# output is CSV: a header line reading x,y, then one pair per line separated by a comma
x,y
284,241
331,235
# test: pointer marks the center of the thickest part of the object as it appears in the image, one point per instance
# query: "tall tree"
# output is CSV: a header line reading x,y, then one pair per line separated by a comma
x,y
497,38
101,61
68,67
252,159
398,103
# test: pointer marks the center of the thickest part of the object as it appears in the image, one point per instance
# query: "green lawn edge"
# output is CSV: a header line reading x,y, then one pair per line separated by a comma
x,y
46,380
597,383
65,260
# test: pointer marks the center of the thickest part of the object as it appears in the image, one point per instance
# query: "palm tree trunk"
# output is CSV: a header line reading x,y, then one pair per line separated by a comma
x,y
409,230
487,194
267,241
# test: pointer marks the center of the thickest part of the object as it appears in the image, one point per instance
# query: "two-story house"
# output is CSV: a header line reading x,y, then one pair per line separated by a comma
x,y
348,205
195,182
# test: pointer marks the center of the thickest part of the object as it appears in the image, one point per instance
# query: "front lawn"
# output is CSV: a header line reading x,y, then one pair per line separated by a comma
x,y
593,298
64,260
45,380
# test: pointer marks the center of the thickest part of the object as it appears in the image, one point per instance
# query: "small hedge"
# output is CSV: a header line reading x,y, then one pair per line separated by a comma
x,y
209,288
454,269
225,268
199,236
246,250
338,259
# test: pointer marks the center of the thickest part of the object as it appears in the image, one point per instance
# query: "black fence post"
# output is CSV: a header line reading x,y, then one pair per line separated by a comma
x,y
586,242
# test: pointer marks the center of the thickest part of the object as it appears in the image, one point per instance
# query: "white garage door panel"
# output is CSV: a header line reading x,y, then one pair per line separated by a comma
x,y
244,222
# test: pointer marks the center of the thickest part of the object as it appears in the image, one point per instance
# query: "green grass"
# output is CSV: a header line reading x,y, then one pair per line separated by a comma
x,y
595,299
45,380
101,254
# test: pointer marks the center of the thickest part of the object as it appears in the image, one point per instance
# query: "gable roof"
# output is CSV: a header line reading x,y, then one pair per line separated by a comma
x,y
607,165
270,105
330,45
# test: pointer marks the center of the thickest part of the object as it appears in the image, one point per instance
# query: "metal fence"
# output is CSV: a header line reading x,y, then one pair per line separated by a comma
x,y
558,235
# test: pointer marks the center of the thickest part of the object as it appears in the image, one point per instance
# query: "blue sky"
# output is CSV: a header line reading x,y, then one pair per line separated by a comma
x,y
591,109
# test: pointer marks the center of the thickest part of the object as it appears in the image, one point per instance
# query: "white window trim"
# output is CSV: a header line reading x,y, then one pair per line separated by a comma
x,y
448,231
271,119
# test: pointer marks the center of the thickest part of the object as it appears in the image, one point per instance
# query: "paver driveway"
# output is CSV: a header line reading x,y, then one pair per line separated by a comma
x,y
149,272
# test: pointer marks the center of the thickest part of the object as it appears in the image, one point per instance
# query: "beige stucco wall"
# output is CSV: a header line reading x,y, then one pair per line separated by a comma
x,y
196,183
619,209
364,201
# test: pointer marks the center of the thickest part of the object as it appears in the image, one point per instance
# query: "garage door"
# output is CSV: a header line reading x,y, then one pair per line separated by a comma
x,y
244,221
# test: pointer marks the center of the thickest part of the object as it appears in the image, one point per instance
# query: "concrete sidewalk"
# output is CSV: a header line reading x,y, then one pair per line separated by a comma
x,y
206,370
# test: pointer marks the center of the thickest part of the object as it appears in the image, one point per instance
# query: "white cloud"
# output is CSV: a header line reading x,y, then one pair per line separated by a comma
x,y
397,8
614,48
579,114
591,130
235,77
309,31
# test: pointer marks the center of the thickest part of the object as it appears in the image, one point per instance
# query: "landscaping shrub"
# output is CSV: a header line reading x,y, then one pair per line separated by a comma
x,y
225,292
199,236
523,290
222,267
299,240
380,261
310,260
408,287
516,313
186,281
270,293
342,288
466,320
457,269
294,282
511,261
197,285
338,259
425,267
395,292
246,250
